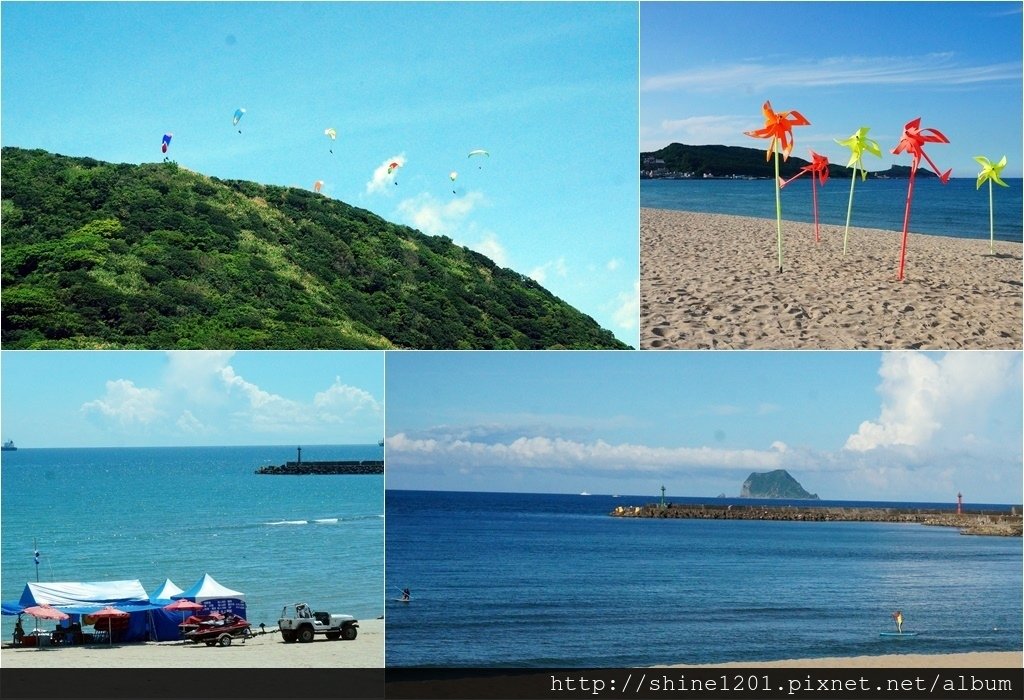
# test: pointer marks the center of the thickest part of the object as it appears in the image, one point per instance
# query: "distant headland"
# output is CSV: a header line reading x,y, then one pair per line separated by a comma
x,y
678,161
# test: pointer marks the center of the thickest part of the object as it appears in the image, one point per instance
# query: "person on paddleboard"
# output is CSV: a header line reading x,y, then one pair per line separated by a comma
x,y
898,617
406,594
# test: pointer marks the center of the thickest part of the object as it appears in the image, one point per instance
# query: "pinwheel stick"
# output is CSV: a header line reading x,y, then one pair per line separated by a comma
x,y
814,199
991,223
849,209
778,208
906,224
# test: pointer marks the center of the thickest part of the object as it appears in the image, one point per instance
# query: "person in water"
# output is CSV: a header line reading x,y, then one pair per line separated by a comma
x,y
898,617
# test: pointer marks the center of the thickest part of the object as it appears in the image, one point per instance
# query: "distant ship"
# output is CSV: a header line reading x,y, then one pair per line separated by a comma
x,y
381,443
9,446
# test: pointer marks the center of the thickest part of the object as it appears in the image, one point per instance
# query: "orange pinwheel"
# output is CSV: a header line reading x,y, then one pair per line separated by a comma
x,y
818,168
913,140
778,126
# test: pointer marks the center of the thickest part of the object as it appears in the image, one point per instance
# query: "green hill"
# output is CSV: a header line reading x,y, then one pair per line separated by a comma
x,y
774,484
725,161
99,255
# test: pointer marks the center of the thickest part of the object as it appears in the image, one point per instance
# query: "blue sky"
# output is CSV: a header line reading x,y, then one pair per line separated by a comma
x,y
549,89
706,69
98,398
847,425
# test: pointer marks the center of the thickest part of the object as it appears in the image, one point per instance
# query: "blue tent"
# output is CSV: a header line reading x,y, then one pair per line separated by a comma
x,y
79,599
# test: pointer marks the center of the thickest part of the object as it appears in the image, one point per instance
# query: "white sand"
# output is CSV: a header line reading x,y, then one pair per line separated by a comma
x,y
261,651
712,281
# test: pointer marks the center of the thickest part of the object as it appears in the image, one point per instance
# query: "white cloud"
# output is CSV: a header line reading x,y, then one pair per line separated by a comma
x,y
707,129
558,267
544,453
382,179
194,372
426,213
127,403
936,68
613,265
490,246
627,308
188,423
925,399
341,401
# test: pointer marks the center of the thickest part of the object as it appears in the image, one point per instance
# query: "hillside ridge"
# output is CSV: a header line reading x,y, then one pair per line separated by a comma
x,y
102,255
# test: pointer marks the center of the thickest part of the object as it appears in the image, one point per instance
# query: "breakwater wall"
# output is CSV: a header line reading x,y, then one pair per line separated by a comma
x,y
969,522
365,466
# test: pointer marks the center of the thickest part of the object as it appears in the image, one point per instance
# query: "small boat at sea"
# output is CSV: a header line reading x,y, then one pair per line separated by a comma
x,y
9,446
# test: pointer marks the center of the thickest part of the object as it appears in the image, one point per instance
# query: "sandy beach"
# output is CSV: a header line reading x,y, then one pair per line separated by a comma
x,y
712,281
979,659
261,651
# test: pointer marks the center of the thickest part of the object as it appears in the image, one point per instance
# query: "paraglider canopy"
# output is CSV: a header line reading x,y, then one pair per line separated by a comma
x,y
332,135
478,152
318,185
239,113
452,175
166,142
393,167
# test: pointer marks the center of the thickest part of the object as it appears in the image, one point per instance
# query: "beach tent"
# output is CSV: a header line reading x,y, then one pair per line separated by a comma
x,y
214,597
75,593
82,598
164,592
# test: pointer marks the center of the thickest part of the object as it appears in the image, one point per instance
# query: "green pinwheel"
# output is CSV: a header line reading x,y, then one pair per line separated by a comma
x,y
858,143
990,172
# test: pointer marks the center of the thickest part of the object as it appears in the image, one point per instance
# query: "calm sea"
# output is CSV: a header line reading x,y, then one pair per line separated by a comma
x,y
955,209
180,512
553,580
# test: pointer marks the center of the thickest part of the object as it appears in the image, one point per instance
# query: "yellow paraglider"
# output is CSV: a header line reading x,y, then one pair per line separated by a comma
x,y
332,135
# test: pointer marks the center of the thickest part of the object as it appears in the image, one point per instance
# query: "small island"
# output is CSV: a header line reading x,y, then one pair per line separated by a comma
x,y
774,484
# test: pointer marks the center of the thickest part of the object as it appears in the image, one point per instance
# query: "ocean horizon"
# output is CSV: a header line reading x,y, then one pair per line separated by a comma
x,y
552,580
955,210
151,513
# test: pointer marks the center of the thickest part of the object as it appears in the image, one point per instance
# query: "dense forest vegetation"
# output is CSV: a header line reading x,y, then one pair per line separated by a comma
x,y
99,255
723,161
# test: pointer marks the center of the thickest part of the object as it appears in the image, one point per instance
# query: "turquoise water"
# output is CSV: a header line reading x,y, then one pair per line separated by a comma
x,y
552,580
955,209
155,513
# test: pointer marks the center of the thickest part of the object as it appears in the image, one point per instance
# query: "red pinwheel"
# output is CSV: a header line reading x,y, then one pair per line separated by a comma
x,y
913,140
818,168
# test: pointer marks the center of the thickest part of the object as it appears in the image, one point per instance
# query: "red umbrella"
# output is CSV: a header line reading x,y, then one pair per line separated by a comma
x,y
45,612
109,613
183,604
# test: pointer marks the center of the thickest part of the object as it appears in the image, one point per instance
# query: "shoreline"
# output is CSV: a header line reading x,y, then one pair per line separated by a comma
x,y
971,659
260,651
711,281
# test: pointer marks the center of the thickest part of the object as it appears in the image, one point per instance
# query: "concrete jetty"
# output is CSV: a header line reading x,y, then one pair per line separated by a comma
x,y
969,522
365,466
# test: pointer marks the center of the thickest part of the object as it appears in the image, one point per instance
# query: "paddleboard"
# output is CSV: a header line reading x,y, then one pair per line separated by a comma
x,y
897,634
402,600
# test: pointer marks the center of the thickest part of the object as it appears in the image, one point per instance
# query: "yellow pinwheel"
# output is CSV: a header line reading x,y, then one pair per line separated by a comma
x,y
858,143
990,172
